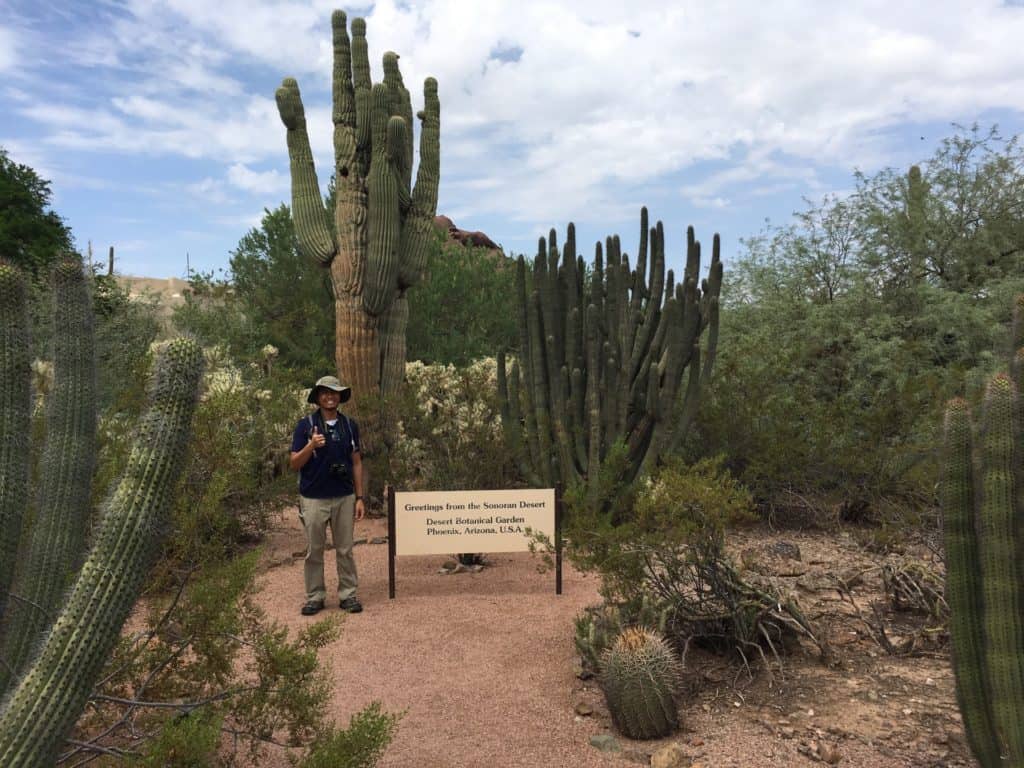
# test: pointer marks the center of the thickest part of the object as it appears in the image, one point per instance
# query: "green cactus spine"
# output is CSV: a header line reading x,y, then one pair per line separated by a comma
x,y
15,413
40,711
383,223
640,676
57,538
604,360
984,526
917,223
963,585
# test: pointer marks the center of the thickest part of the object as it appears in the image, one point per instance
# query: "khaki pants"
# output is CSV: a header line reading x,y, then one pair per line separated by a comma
x,y
316,515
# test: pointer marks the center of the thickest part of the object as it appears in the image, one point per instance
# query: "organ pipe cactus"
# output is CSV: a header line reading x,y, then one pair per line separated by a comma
x,y
41,708
639,676
57,539
983,515
383,224
613,356
15,412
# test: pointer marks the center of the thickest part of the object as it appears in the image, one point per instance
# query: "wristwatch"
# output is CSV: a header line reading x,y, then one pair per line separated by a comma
x,y
359,498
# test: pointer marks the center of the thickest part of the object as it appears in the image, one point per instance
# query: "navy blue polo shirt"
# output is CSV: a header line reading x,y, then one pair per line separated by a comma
x,y
315,478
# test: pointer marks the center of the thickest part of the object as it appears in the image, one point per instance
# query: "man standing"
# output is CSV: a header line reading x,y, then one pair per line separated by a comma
x,y
325,452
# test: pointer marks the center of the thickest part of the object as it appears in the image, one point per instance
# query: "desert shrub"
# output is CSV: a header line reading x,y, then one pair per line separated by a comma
x,y
668,549
449,430
189,740
360,745
679,508
208,680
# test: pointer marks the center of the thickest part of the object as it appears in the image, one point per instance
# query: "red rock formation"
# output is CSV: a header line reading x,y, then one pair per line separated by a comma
x,y
475,239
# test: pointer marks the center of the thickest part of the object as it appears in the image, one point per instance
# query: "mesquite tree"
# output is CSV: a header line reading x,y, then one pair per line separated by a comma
x,y
80,625
603,358
383,225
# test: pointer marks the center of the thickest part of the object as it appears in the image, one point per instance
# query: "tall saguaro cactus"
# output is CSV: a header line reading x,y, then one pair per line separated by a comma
x,y
983,515
603,358
383,224
40,709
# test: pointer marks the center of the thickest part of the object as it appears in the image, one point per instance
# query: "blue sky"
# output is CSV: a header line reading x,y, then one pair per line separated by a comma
x,y
156,122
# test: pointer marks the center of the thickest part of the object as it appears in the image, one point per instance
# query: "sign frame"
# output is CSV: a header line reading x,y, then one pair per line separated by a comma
x,y
389,496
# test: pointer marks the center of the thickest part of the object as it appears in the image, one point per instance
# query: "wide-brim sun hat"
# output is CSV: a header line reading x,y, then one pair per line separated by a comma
x,y
332,383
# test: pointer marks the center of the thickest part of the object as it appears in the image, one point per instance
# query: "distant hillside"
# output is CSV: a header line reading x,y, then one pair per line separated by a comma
x,y
169,292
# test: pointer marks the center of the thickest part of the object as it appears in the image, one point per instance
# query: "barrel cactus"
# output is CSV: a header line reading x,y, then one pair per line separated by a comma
x,y
613,355
42,706
383,225
983,517
640,676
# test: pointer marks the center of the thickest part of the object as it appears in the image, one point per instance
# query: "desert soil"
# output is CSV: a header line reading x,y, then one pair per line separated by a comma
x,y
484,669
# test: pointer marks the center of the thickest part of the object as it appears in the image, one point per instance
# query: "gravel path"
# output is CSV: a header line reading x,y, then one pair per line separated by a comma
x,y
482,663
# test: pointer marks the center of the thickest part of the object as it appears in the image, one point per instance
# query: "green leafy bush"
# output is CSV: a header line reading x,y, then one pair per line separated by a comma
x,y
360,745
464,308
209,680
844,328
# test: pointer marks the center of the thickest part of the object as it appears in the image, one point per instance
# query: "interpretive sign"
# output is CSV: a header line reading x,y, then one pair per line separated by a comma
x,y
447,522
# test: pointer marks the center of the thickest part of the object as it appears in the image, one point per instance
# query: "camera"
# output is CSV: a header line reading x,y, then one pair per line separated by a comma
x,y
339,470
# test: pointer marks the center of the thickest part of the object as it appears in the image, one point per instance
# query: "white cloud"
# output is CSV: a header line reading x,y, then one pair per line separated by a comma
x,y
209,190
550,110
8,49
264,183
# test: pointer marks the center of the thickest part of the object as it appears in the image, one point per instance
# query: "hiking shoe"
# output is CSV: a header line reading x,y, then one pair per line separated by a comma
x,y
351,604
312,606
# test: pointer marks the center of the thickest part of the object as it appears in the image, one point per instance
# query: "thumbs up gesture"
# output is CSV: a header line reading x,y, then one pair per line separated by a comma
x,y
317,439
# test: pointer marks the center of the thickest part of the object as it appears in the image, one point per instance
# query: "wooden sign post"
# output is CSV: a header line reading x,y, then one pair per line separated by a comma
x,y
445,522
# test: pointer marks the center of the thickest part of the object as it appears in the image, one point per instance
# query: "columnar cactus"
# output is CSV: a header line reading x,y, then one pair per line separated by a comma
x,y
603,359
15,413
383,225
983,517
57,538
40,710
640,675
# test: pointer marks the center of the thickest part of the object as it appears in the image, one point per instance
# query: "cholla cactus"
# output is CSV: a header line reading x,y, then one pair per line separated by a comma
x,y
640,676
269,354
461,413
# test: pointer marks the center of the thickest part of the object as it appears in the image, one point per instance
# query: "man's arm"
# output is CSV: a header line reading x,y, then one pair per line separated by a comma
x,y
299,458
357,482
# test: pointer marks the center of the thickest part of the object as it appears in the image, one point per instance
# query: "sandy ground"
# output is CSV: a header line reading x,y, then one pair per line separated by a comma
x,y
483,663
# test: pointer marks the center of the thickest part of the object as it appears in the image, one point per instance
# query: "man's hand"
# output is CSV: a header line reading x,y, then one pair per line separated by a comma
x,y
316,439
360,509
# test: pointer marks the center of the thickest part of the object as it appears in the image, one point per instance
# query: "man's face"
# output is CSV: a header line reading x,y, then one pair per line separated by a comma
x,y
327,398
